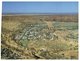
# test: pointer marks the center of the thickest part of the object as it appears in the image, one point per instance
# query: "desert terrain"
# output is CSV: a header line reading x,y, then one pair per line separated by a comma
x,y
39,37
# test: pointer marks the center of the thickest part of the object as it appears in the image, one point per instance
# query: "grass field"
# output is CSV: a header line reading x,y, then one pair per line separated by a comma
x,y
39,37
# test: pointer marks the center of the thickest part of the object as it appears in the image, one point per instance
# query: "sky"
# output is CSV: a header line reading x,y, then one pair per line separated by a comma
x,y
40,7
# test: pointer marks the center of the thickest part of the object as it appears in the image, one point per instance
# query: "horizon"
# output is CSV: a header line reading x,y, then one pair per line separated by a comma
x,y
20,14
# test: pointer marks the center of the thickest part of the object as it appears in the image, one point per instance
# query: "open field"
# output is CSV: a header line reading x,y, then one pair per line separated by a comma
x,y
39,37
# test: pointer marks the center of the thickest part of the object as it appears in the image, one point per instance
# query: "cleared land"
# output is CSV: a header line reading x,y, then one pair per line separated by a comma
x,y
39,37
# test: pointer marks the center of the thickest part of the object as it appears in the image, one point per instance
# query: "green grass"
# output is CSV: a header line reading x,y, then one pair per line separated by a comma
x,y
66,25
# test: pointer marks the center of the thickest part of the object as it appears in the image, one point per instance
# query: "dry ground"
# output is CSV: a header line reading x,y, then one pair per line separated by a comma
x,y
64,44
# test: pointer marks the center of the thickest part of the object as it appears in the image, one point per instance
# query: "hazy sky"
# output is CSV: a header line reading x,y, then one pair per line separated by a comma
x,y
40,7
